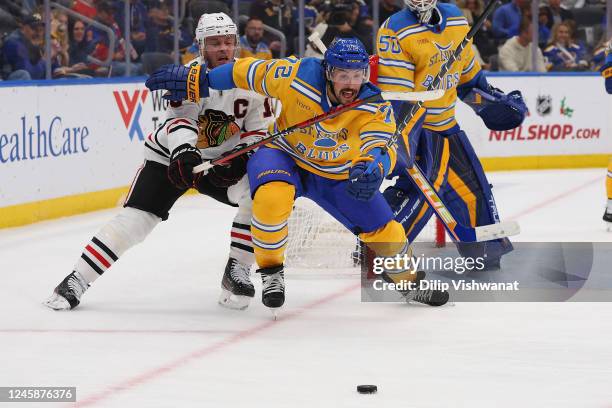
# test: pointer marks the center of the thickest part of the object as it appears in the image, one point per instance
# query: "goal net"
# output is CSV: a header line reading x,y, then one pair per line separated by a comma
x,y
318,241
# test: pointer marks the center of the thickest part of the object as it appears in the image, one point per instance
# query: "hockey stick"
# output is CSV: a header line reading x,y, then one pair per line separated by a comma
x,y
383,96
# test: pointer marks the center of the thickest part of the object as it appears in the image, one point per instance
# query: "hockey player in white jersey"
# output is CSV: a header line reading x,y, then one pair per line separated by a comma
x,y
191,132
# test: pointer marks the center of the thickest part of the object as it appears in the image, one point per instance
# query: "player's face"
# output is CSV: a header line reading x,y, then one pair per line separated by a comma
x,y
219,50
346,84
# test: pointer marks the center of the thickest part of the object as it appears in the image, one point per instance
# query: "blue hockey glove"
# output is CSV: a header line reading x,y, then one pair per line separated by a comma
x,y
181,82
498,111
362,185
606,72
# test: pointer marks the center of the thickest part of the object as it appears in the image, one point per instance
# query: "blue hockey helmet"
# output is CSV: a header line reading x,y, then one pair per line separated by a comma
x,y
346,54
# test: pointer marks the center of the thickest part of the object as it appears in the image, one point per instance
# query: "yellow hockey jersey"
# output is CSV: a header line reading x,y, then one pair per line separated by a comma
x,y
328,147
411,55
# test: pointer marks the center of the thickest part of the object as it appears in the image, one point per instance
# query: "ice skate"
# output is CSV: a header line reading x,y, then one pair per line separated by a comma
x,y
67,295
237,290
273,288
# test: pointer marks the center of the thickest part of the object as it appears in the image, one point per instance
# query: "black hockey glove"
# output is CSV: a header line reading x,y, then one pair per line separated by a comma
x,y
229,174
180,171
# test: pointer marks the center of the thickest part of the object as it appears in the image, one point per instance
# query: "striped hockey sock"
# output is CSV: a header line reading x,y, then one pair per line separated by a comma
x,y
96,258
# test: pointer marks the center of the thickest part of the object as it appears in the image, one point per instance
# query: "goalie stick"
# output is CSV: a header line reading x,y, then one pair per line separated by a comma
x,y
383,96
458,231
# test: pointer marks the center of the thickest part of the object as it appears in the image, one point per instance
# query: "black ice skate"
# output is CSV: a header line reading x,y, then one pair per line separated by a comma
x,y
431,297
607,217
273,287
67,295
237,290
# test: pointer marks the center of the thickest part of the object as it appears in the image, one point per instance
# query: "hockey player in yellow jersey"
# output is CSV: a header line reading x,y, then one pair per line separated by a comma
x,y
412,46
326,162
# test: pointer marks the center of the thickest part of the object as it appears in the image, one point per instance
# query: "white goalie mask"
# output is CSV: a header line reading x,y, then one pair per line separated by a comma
x,y
422,8
215,24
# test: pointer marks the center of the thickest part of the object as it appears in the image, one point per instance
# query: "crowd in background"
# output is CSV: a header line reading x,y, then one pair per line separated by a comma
x,y
571,33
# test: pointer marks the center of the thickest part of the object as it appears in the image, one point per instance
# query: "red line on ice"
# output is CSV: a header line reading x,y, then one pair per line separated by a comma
x,y
240,336
558,197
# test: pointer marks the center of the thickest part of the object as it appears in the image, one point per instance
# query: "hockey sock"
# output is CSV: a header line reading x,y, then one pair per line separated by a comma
x,y
272,206
128,228
241,247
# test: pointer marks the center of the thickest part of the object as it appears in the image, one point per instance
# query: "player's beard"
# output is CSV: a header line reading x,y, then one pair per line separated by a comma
x,y
346,94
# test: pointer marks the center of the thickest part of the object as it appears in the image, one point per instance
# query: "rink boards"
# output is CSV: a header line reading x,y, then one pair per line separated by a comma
x,y
68,147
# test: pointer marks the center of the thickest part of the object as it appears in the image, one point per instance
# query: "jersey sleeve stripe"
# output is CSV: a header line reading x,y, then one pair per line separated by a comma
x,y
252,72
438,111
396,63
371,144
305,91
376,133
406,33
462,22
396,81
440,123
306,85
469,67
175,128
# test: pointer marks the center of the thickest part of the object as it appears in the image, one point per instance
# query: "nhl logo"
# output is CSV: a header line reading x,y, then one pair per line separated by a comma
x,y
544,105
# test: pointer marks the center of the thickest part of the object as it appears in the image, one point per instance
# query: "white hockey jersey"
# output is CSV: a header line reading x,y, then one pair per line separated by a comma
x,y
214,124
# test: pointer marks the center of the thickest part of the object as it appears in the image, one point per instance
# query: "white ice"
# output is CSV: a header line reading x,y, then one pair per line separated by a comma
x,y
149,333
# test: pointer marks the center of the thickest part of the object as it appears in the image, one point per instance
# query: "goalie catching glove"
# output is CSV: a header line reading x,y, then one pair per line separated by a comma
x,y
363,186
498,111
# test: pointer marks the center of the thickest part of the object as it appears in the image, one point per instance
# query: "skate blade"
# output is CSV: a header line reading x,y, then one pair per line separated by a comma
x,y
275,312
57,302
235,302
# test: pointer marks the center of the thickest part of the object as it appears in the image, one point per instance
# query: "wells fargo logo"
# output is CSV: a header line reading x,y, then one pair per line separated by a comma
x,y
130,107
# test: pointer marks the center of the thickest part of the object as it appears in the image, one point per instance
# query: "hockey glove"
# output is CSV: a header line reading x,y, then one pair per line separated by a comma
x,y
498,111
181,82
180,171
225,175
363,186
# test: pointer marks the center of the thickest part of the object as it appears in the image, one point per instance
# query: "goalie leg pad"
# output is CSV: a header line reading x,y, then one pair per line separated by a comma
x,y
468,196
407,202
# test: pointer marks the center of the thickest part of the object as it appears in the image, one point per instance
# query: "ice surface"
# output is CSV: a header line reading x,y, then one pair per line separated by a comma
x,y
149,333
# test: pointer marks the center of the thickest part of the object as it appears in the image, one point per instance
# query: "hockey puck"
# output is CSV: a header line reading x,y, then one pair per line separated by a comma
x,y
367,389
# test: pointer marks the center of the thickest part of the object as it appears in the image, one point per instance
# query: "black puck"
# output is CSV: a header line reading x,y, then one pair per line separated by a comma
x,y
367,389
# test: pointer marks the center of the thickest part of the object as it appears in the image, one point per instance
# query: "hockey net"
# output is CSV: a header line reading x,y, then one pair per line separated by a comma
x,y
318,241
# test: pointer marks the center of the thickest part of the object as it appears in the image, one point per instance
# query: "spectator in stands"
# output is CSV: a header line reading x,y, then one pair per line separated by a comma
x,y
543,30
337,25
101,41
85,7
507,19
23,50
138,19
516,54
79,49
59,36
483,39
556,13
562,53
160,30
251,43
273,13
386,10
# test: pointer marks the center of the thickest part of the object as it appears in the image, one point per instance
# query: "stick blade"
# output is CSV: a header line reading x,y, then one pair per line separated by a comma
x,y
496,231
413,96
